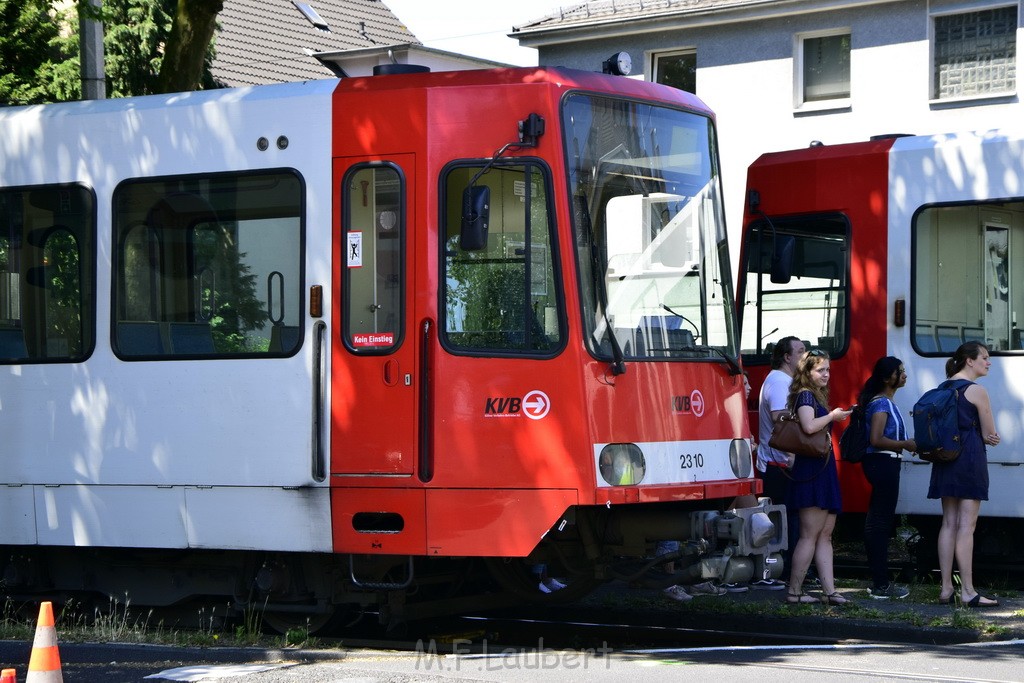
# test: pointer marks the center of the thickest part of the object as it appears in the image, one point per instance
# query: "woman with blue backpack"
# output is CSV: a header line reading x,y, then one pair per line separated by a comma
x,y
886,440
962,483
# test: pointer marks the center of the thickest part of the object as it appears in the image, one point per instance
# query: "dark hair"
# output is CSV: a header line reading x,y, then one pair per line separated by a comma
x,y
802,378
967,350
884,368
782,347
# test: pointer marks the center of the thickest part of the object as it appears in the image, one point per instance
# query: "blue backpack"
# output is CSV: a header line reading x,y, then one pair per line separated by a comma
x,y
936,427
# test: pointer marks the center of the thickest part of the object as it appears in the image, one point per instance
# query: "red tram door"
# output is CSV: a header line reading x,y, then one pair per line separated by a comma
x,y
373,374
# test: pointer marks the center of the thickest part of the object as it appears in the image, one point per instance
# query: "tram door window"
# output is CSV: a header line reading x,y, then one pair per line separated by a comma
x,y
500,291
374,241
967,261
208,266
47,277
796,282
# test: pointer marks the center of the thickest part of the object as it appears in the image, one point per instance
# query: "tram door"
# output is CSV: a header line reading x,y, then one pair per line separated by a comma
x,y
373,422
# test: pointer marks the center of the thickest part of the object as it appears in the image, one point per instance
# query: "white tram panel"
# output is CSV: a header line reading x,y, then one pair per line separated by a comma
x,y
168,453
949,169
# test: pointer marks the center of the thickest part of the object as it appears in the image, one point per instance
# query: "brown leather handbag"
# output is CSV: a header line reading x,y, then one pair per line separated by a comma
x,y
789,436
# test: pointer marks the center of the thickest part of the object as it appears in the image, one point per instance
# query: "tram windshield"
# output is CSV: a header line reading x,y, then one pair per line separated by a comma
x,y
649,229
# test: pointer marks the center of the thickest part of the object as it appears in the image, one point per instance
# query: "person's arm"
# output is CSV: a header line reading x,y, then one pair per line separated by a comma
x,y
811,424
977,395
879,440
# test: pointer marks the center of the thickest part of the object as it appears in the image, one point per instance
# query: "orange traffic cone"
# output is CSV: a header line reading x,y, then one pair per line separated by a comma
x,y
9,676
44,664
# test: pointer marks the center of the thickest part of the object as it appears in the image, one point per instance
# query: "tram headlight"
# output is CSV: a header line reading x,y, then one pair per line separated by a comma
x,y
739,458
622,464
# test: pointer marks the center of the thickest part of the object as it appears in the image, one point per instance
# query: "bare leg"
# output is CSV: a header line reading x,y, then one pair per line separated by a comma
x,y
812,521
947,541
967,519
823,554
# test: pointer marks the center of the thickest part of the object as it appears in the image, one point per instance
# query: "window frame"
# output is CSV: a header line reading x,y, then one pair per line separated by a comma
x,y
554,258
403,230
800,101
779,225
656,69
915,266
119,232
88,298
933,85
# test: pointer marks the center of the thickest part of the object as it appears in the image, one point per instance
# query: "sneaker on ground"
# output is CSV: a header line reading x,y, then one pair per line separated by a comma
x,y
542,588
706,588
734,588
767,585
553,584
892,590
677,593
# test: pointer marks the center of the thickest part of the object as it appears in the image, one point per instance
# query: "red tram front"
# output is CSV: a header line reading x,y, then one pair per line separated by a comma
x,y
348,335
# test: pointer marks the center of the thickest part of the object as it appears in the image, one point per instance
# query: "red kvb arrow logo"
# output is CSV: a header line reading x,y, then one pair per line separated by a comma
x,y
536,405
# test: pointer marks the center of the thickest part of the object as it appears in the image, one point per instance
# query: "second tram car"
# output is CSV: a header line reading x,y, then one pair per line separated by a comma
x,y
340,342
905,246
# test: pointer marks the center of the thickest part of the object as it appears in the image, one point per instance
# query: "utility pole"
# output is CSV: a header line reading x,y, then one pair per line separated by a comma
x,y
94,80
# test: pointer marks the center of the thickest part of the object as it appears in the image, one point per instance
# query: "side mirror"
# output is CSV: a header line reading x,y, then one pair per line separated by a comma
x,y
476,216
782,259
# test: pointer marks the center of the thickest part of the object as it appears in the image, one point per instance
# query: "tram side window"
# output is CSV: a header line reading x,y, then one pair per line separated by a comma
x,y
968,260
208,266
374,238
499,287
796,282
47,281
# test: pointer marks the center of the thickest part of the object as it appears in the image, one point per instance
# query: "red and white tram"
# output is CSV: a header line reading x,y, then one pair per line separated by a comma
x,y
903,246
309,344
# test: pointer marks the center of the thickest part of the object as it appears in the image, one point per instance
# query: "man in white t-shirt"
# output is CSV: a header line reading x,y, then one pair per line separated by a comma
x,y
773,465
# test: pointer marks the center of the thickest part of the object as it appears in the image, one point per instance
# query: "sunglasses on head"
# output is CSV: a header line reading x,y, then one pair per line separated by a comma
x,y
817,353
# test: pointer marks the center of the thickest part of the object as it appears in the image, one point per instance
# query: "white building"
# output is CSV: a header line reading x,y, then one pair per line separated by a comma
x,y
783,73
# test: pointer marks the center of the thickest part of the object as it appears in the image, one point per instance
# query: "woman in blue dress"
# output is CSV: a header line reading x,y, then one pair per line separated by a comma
x,y
814,491
963,483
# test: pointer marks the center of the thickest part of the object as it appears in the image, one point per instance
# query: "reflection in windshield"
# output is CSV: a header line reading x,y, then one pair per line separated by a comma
x,y
650,234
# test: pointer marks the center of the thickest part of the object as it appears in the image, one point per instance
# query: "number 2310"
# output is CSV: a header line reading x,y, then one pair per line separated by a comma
x,y
691,460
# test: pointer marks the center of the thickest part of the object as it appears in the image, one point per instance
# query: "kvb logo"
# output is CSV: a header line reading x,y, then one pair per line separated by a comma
x,y
534,405
694,403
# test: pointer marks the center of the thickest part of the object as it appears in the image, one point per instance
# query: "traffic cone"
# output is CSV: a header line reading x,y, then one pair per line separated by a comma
x,y
9,676
44,664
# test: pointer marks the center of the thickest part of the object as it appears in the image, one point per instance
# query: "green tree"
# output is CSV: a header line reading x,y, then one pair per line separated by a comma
x,y
35,57
39,55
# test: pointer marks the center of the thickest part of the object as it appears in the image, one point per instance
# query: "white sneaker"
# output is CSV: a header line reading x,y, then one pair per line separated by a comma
x,y
553,585
677,593
767,585
706,588
542,588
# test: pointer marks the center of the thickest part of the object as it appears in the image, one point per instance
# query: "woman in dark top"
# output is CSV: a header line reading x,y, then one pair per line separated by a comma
x,y
963,483
815,488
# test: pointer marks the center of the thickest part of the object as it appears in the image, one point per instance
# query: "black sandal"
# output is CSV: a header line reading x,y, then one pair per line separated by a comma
x,y
834,598
799,598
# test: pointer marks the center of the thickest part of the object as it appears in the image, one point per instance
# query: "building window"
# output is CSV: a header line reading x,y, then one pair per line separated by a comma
x,y
975,53
823,67
677,69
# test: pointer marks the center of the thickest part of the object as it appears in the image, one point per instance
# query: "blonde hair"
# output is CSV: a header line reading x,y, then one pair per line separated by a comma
x,y
802,378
